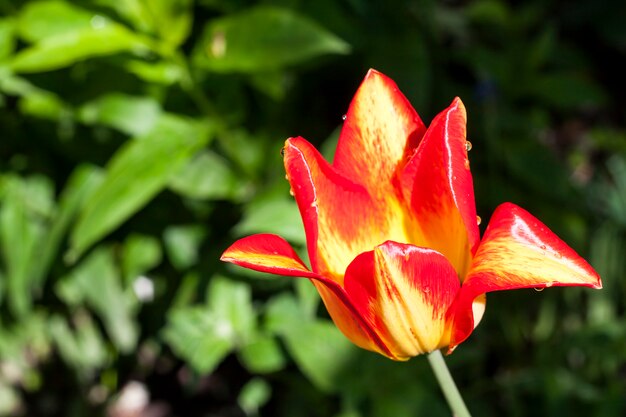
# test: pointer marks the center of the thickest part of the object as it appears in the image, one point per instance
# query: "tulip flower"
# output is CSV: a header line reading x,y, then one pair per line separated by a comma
x,y
392,233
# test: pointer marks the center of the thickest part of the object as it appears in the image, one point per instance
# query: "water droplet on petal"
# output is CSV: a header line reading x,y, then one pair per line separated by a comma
x,y
291,193
538,289
314,204
543,247
558,255
549,284
426,290
468,145
478,220
282,151
344,117
467,164
287,177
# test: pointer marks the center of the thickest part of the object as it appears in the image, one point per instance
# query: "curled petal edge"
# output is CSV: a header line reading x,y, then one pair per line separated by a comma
x,y
441,195
341,219
381,130
516,252
405,291
273,254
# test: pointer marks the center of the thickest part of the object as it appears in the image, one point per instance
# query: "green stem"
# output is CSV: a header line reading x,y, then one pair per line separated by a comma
x,y
450,391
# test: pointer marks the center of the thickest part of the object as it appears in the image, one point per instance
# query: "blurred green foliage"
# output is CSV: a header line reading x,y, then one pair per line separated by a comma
x,y
139,138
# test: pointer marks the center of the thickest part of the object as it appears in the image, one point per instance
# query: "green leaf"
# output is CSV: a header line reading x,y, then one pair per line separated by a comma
x,y
81,183
141,253
42,20
10,400
308,297
254,395
23,345
182,244
7,37
264,38
22,226
131,115
283,312
44,105
171,18
203,336
246,151
262,355
97,283
321,352
274,84
187,290
207,176
493,12
82,346
319,349
233,301
134,175
162,72
66,49
199,337
276,215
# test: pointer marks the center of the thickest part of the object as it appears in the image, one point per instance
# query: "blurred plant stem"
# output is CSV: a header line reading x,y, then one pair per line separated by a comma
x,y
450,391
190,86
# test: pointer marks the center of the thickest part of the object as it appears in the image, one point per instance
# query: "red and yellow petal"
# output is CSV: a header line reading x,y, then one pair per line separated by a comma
x,y
340,217
405,292
518,251
273,254
267,253
381,130
437,184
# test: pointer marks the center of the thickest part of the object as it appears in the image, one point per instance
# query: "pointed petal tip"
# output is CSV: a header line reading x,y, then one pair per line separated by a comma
x,y
372,72
458,106
268,253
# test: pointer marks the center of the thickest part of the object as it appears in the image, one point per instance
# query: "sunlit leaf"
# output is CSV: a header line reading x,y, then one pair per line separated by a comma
x,y
203,336
207,176
317,346
262,355
254,395
182,244
171,19
21,230
81,183
129,114
199,337
7,37
44,105
164,72
42,20
82,346
264,38
279,216
233,301
135,174
96,282
141,253
68,48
